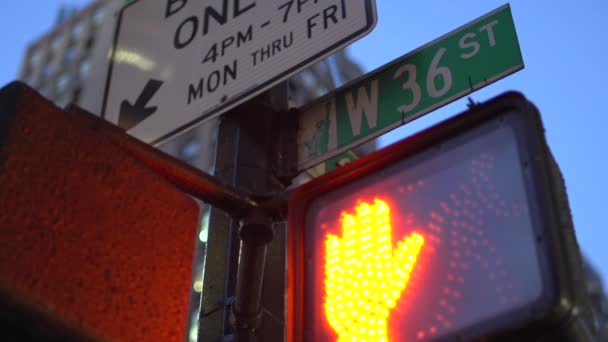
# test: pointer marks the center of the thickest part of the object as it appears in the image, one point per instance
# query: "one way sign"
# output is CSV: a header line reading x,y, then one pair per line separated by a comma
x,y
178,63
132,114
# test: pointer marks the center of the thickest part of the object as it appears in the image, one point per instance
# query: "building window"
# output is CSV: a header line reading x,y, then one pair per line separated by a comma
x,y
89,44
56,43
77,29
334,71
309,79
47,70
69,55
61,83
98,16
35,58
84,69
190,151
76,95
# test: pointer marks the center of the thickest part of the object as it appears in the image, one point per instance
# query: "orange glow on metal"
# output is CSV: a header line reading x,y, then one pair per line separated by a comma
x,y
364,276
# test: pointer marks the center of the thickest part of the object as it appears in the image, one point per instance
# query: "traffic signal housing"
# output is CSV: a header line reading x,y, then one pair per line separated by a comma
x,y
94,245
461,232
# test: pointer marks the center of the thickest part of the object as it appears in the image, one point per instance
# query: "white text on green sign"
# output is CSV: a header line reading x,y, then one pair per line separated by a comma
x,y
438,73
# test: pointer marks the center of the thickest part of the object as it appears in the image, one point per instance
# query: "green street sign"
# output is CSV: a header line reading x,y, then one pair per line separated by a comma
x,y
332,164
462,61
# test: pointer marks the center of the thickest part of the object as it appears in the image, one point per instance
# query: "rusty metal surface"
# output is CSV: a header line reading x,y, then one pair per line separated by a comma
x,y
87,233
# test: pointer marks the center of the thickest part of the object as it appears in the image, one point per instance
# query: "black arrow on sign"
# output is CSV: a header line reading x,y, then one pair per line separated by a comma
x,y
132,114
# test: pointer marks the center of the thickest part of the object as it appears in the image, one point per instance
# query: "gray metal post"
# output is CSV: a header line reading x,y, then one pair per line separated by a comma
x,y
222,246
245,160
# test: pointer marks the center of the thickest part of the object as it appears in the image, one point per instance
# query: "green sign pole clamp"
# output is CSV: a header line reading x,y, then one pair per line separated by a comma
x,y
462,61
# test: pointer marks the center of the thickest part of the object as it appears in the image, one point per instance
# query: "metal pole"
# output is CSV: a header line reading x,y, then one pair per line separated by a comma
x,y
185,177
256,233
246,159
260,166
221,261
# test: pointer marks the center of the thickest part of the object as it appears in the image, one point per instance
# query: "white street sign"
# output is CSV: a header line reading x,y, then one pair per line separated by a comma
x,y
178,63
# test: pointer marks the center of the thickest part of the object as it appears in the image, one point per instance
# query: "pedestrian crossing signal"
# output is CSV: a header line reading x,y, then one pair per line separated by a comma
x,y
451,234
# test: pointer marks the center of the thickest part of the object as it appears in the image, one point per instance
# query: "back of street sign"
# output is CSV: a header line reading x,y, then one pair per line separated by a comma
x,y
178,63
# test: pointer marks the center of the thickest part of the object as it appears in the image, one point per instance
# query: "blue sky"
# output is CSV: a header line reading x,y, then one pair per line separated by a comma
x,y
566,75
